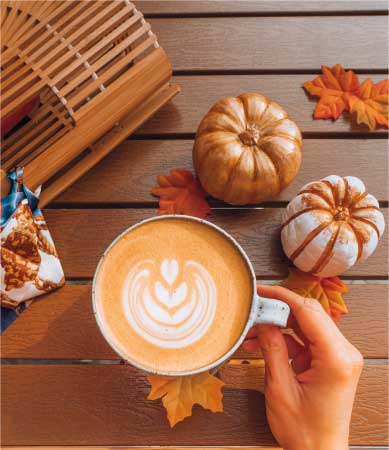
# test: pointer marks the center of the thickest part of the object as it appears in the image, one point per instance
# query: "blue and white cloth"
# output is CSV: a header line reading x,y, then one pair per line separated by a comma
x,y
29,261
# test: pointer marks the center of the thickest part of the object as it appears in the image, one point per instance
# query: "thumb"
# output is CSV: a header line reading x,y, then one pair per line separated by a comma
x,y
278,372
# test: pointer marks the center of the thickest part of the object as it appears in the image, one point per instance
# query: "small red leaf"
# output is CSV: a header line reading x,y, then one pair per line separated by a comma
x,y
181,193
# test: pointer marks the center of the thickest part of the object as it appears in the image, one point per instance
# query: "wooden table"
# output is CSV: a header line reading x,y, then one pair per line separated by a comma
x,y
62,384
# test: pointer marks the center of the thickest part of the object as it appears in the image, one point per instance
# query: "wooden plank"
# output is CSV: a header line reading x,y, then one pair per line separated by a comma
x,y
199,92
81,236
274,43
62,326
145,448
106,405
152,7
128,174
252,377
168,448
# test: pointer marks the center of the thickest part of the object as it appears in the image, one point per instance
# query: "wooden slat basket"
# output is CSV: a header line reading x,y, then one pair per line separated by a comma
x,y
97,72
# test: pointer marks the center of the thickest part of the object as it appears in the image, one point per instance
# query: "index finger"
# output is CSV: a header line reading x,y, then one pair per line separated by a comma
x,y
314,322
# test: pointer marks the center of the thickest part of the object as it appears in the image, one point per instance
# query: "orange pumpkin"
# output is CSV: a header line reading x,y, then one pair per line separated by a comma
x,y
246,149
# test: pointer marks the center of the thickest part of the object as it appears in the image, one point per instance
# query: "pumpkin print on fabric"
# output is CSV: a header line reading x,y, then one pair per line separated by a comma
x,y
29,261
246,149
331,225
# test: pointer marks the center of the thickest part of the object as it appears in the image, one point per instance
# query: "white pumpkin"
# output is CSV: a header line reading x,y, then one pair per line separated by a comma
x,y
331,225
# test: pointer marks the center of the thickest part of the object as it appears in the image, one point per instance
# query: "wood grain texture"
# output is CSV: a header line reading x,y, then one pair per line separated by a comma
x,y
199,92
128,174
167,448
106,405
62,326
274,43
81,236
174,7
146,448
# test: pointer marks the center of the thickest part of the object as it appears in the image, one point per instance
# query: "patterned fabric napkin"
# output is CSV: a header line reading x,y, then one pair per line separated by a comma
x,y
29,260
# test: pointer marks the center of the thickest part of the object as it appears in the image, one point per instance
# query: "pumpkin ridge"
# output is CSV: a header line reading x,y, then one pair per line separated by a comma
x,y
223,107
308,239
205,133
261,126
256,168
225,113
265,100
346,193
361,197
258,147
367,222
244,112
307,191
282,135
232,175
302,211
206,119
367,208
211,147
335,196
360,246
327,252
272,123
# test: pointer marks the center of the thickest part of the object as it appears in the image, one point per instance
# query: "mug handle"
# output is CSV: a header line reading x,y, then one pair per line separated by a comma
x,y
271,312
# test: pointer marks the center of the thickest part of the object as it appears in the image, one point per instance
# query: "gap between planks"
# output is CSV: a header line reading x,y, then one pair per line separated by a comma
x,y
264,8
276,14
377,134
306,71
215,205
114,362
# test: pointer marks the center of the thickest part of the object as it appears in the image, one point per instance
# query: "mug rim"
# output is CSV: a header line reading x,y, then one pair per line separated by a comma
x,y
251,315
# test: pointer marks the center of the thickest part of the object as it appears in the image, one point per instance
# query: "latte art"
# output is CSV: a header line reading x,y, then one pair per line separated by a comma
x,y
169,305
172,295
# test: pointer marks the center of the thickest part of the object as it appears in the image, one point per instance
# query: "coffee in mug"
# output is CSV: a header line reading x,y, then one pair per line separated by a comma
x,y
174,295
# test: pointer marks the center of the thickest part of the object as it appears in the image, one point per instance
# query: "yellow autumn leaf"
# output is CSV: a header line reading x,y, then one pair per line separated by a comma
x,y
372,104
179,394
328,291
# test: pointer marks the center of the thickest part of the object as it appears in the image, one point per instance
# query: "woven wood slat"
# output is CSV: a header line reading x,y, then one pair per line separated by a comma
x,y
39,47
101,62
72,56
84,60
25,34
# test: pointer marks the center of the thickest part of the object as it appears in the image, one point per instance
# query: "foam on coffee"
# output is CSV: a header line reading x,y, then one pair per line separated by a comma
x,y
173,295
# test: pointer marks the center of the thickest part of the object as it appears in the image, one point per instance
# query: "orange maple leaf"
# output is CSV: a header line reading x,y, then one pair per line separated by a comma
x,y
371,104
328,291
181,193
179,394
333,87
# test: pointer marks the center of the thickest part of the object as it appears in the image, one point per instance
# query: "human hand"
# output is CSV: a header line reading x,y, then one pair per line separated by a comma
x,y
308,402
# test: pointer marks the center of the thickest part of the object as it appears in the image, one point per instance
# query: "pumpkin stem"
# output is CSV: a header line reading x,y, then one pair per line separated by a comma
x,y
341,213
250,136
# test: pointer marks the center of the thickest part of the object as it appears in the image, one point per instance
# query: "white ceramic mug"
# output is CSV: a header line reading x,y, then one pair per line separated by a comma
x,y
263,310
